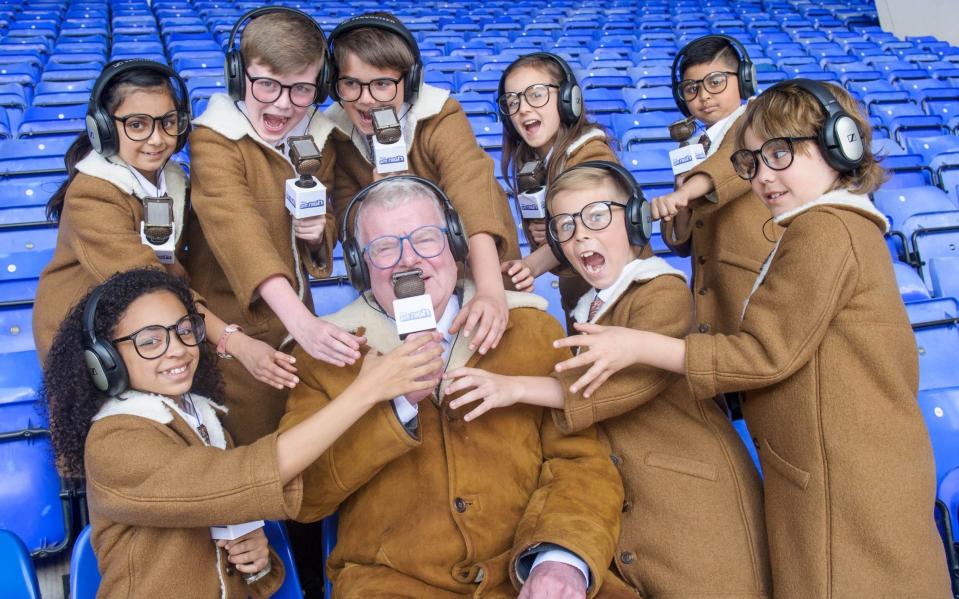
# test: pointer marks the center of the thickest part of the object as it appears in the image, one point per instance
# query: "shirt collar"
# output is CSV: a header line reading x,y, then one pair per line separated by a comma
x,y
606,294
449,315
149,189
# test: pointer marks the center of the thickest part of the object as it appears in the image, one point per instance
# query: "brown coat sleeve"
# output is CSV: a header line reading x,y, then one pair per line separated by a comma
x,y
578,503
140,473
235,229
719,168
351,461
466,174
811,278
662,305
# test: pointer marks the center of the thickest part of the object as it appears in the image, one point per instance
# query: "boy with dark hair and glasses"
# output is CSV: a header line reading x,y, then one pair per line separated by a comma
x,y
713,215
683,465
248,256
376,64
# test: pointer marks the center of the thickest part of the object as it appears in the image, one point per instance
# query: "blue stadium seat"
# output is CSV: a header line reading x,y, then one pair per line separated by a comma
x,y
547,286
902,127
930,147
53,120
18,579
327,543
944,275
477,106
479,81
330,295
740,425
488,135
940,409
650,99
937,337
911,286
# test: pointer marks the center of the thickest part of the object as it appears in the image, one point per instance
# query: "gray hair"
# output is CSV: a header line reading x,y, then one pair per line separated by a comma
x,y
391,193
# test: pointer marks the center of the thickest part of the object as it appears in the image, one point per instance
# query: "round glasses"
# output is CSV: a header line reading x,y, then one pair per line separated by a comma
x,y
139,127
383,89
152,341
427,241
267,90
777,153
536,95
595,216
714,83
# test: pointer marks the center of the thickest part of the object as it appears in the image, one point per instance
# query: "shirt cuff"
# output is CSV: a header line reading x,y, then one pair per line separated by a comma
x,y
564,557
405,411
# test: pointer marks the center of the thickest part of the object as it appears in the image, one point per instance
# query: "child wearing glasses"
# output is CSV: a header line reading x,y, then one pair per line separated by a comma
x,y
713,215
376,63
683,465
545,120
160,469
248,257
827,359
138,118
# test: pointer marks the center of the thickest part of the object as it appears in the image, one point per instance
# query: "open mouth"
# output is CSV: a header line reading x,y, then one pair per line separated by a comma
x,y
593,262
531,126
773,196
273,123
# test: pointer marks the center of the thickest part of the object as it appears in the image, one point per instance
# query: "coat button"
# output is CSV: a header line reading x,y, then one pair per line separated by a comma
x,y
616,459
704,327
703,291
701,259
627,557
699,223
460,504
627,506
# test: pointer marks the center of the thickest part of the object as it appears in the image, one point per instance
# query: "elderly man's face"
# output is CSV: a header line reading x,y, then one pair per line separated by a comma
x,y
439,272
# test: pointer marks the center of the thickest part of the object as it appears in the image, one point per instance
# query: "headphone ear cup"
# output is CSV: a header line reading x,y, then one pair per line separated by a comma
x,y
102,132
323,82
747,78
556,249
413,82
846,141
575,95
355,266
235,77
106,368
459,243
93,134
639,222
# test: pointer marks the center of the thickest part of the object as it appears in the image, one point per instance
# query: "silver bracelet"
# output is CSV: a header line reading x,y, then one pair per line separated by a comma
x,y
251,578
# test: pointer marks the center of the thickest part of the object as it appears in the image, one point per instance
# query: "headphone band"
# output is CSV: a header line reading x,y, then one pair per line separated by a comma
x,y
377,22
745,74
119,67
89,314
827,100
345,228
263,10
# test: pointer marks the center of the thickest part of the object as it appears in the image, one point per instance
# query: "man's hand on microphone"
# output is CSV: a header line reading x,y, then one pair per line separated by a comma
x,y
310,229
325,341
537,230
554,580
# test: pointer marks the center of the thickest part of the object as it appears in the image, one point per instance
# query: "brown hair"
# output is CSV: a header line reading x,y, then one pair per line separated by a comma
x,y
516,151
376,47
579,178
787,110
283,41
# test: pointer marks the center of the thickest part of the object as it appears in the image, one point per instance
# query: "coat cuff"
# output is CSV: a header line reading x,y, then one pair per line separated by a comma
x,y
701,365
277,502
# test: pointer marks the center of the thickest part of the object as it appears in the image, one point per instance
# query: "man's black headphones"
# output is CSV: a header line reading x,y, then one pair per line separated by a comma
x,y
570,94
746,74
412,80
639,224
840,138
235,69
356,267
101,126
104,363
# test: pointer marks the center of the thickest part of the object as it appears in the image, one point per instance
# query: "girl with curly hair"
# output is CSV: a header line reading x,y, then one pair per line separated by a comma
x,y
160,469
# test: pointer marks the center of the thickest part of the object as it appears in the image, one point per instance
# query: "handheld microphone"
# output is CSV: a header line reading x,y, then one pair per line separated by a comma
x,y
389,149
157,227
305,195
687,155
531,180
413,307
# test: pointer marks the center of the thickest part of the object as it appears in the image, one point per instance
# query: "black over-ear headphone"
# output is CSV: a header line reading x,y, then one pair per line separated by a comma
x,y
639,224
840,138
104,363
235,69
746,74
570,95
101,126
356,267
412,81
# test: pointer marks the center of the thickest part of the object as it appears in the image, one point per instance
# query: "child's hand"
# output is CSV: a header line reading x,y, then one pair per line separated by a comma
x,y
520,273
250,553
492,390
608,354
413,367
310,229
266,364
483,320
537,230
325,341
667,206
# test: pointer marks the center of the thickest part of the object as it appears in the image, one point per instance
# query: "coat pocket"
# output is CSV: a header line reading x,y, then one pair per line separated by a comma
x,y
795,475
739,261
682,466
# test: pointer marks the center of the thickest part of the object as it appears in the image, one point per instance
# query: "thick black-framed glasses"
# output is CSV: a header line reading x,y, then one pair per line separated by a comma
x,y
382,89
139,127
715,83
777,153
595,216
536,95
427,241
268,90
152,341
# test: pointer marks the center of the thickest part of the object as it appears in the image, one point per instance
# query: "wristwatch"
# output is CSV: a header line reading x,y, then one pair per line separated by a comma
x,y
221,346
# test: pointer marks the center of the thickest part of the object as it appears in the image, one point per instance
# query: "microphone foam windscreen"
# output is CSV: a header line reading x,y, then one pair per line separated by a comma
x,y
409,286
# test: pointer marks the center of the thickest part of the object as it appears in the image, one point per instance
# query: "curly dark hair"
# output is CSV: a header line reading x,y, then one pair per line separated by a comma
x,y
71,400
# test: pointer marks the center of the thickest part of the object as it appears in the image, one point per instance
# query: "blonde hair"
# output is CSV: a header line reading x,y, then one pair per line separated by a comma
x,y
787,110
376,47
284,42
582,178
392,193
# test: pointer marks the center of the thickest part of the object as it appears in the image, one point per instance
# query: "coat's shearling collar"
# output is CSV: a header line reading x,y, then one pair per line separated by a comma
x,y
429,104
117,173
638,270
593,133
843,198
223,116
381,331
161,409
